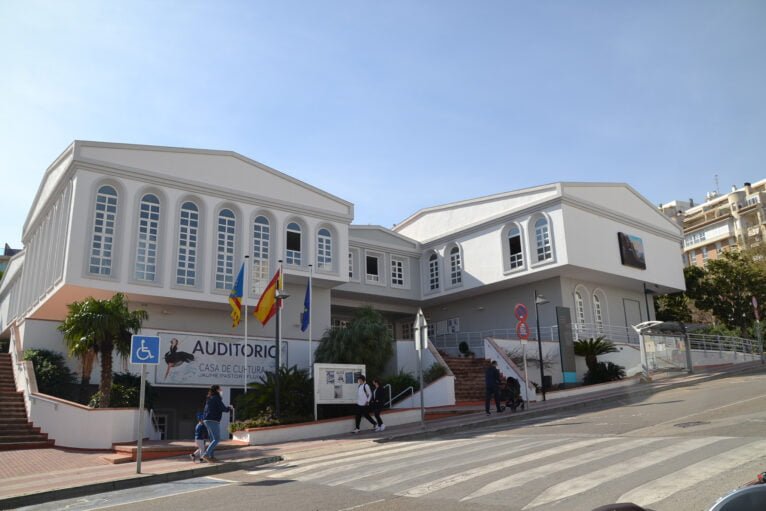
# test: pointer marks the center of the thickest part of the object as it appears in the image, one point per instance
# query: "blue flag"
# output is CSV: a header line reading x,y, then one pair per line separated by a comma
x,y
306,314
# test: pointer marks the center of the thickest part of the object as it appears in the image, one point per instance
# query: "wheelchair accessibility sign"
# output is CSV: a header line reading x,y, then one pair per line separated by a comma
x,y
144,349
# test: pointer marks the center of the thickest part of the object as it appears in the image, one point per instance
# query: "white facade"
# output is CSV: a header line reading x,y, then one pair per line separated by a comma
x,y
169,227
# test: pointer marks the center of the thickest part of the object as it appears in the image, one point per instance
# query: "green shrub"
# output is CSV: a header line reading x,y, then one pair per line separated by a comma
x,y
53,376
433,373
401,381
604,372
265,419
366,340
296,395
125,392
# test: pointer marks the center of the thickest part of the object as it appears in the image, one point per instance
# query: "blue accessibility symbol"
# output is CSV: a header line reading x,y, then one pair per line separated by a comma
x,y
144,349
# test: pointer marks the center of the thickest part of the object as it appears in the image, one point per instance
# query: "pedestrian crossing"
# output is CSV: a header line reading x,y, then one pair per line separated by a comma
x,y
536,472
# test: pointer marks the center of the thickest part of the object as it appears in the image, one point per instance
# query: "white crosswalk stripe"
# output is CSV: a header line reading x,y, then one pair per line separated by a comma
x,y
445,482
583,483
663,487
345,457
433,455
516,480
466,469
403,476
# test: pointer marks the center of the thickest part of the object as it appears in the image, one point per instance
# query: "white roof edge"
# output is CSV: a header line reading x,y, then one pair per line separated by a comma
x,y
633,191
477,200
70,150
15,263
375,227
212,152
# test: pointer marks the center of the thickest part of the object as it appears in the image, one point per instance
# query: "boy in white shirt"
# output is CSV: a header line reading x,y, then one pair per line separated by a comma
x,y
363,396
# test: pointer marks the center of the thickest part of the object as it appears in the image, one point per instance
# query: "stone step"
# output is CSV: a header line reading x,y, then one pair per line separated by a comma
x,y
32,444
20,430
28,437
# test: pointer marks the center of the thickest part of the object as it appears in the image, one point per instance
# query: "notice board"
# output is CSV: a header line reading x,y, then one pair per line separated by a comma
x,y
335,384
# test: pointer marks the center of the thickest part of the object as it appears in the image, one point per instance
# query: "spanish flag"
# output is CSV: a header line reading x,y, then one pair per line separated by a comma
x,y
267,305
235,298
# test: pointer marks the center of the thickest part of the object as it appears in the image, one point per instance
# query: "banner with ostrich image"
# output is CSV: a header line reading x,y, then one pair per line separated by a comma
x,y
192,359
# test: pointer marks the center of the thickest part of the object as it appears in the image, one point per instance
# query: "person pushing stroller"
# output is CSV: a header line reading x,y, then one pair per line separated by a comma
x,y
513,388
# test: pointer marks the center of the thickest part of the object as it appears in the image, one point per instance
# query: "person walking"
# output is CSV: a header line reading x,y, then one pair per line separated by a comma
x,y
492,386
211,416
363,396
376,404
200,438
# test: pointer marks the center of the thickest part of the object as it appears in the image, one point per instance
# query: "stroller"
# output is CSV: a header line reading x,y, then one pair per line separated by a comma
x,y
513,394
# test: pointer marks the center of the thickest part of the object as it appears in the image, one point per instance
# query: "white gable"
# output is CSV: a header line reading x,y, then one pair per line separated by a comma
x,y
377,235
620,198
216,169
436,222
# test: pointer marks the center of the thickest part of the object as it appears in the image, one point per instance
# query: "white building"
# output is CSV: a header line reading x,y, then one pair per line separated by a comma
x,y
169,227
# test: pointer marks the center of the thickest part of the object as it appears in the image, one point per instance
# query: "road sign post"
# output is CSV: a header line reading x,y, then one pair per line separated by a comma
x,y
758,333
421,343
522,331
143,350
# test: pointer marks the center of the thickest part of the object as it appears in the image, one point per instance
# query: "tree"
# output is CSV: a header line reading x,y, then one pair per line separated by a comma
x,y
591,349
102,326
727,286
366,340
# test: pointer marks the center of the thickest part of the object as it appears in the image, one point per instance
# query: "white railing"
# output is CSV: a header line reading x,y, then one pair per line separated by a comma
x,y
475,340
721,343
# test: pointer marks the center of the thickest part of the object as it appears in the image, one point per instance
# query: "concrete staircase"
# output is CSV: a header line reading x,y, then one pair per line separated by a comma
x,y
16,432
469,377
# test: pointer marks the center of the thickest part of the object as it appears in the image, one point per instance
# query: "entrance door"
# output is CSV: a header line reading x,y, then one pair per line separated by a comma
x,y
632,317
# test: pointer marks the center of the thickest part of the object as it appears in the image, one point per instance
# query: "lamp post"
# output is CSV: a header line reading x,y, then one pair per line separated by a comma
x,y
540,300
279,295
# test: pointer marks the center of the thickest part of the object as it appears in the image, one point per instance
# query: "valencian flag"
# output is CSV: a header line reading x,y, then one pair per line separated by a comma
x,y
306,314
235,298
267,305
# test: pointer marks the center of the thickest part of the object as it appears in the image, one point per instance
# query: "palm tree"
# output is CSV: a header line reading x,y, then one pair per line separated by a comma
x,y
591,349
101,326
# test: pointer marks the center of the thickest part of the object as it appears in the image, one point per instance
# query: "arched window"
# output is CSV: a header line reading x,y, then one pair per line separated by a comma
x,y
293,245
456,266
261,247
598,313
543,240
147,238
579,307
433,272
514,248
324,249
188,243
104,225
224,265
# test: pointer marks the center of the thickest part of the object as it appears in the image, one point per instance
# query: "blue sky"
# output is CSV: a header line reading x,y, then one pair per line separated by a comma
x,y
395,105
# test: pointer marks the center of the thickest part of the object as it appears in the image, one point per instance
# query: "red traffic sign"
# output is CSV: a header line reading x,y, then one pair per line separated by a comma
x,y
521,312
522,330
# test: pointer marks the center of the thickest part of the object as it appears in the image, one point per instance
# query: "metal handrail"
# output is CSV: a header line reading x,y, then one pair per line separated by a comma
x,y
389,393
411,389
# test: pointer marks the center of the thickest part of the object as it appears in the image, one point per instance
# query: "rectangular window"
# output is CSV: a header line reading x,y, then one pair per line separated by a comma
x,y
397,272
704,255
514,247
350,265
453,325
407,331
371,269
293,241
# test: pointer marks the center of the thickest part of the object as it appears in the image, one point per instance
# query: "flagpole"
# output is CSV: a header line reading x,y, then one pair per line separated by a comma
x,y
279,340
311,307
245,290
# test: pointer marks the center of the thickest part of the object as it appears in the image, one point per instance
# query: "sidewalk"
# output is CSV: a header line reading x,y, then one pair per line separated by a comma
x,y
42,475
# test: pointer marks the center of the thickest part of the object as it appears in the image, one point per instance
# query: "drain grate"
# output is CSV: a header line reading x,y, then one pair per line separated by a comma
x,y
690,424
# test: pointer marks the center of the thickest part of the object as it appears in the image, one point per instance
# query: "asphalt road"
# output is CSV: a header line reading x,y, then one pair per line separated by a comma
x,y
676,450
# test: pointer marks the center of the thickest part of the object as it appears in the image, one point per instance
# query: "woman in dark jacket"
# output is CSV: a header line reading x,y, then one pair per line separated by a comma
x,y
211,416
376,403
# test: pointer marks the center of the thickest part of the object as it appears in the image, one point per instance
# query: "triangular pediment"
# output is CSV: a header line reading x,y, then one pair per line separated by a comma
x,y
214,170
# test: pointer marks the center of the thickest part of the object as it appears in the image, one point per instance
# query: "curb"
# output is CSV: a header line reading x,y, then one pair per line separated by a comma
x,y
132,482
609,398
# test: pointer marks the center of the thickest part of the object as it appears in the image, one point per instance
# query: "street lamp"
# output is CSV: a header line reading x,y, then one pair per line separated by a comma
x,y
540,300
